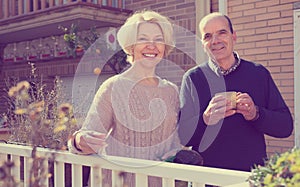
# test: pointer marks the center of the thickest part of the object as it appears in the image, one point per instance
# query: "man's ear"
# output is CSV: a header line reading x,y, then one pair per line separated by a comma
x,y
234,36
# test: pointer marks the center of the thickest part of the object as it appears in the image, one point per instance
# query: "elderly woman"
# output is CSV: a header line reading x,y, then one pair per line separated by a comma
x,y
139,108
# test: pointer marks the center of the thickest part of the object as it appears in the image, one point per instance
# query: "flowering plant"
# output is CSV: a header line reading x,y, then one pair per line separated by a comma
x,y
35,116
36,119
281,170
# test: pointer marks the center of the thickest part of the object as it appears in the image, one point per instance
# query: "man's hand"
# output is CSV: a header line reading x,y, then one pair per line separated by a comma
x,y
218,108
246,106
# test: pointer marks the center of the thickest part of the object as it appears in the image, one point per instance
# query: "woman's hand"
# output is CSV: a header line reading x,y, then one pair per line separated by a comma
x,y
90,142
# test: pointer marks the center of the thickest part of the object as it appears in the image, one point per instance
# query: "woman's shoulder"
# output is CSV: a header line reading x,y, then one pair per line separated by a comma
x,y
168,84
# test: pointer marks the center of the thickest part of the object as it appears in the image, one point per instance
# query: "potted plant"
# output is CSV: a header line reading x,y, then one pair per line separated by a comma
x,y
281,170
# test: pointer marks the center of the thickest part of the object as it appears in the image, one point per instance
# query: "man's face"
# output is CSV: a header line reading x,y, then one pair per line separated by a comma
x,y
217,40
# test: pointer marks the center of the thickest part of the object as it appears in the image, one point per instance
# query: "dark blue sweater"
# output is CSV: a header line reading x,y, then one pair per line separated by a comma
x,y
233,143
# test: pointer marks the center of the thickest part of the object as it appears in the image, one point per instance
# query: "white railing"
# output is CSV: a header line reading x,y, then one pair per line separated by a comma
x,y
169,172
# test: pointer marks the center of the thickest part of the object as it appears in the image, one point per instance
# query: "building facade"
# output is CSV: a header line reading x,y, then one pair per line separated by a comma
x,y
265,29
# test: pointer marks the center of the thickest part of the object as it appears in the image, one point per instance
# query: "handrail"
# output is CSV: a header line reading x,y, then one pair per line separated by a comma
x,y
169,172
10,9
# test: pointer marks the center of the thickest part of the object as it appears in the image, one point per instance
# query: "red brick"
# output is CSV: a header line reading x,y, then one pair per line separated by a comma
x,y
255,11
266,43
234,3
264,30
280,21
280,7
254,38
266,3
282,62
243,7
269,56
287,55
281,48
244,45
255,24
268,16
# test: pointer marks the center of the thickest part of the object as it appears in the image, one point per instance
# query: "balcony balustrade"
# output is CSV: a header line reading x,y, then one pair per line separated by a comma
x,y
11,8
22,20
169,172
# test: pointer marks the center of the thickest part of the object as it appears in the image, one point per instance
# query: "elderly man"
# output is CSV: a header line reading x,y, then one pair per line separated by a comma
x,y
229,131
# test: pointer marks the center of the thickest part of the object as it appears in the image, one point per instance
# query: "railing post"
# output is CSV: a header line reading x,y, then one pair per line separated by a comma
x,y
35,5
141,179
76,175
109,2
3,157
96,177
51,3
20,7
16,170
59,173
12,8
168,182
43,4
120,3
117,180
60,2
5,9
27,9
27,166
46,172
196,184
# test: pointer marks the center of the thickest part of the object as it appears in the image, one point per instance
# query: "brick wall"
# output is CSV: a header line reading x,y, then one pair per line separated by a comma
x,y
265,35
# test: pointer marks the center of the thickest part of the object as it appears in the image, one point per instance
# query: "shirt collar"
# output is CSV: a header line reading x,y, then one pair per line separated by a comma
x,y
220,72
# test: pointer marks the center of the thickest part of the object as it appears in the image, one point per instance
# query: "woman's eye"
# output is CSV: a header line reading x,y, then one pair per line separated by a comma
x,y
160,40
142,39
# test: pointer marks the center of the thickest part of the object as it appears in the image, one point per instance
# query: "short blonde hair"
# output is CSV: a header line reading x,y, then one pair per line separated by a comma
x,y
128,32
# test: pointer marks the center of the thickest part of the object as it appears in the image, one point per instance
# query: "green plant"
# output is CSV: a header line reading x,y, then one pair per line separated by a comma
x,y
94,43
281,170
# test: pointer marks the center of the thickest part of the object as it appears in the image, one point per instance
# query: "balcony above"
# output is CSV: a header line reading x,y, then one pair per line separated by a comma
x,y
27,20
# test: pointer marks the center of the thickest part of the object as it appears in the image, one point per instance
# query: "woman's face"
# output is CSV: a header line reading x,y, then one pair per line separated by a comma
x,y
150,46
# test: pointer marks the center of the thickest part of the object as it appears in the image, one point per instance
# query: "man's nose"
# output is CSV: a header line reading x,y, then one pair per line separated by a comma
x,y
214,38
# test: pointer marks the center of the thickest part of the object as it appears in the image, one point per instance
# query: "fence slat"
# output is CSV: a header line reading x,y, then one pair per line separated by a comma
x,y
45,172
168,182
59,173
96,177
116,179
27,166
3,157
196,184
16,170
141,180
76,175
